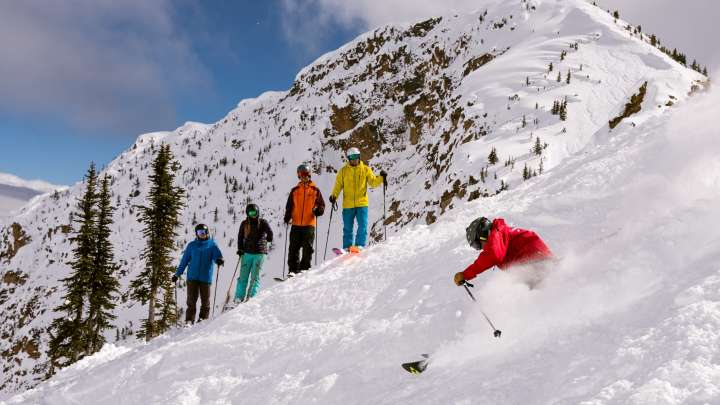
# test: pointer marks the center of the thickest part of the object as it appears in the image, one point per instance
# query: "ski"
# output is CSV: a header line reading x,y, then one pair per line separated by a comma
x,y
417,367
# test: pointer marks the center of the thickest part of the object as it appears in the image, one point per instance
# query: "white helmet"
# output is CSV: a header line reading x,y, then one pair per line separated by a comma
x,y
353,152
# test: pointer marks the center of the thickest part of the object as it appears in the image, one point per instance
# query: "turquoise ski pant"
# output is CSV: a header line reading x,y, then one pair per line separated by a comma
x,y
349,216
250,268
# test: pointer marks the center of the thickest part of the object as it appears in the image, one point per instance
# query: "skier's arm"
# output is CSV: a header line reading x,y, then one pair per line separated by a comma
x,y
289,207
217,254
319,208
241,238
372,179
269,231
338,185
183,262
485,260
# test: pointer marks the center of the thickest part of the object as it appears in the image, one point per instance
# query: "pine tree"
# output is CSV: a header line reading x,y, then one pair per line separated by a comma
x,y
526,172
493,157
550,68
538,148
653,40
67,342
616,14
104,287
161,218
563,110
567,80
705,71
559,77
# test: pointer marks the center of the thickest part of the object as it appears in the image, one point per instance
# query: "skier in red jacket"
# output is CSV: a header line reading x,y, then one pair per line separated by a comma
x,y
502,246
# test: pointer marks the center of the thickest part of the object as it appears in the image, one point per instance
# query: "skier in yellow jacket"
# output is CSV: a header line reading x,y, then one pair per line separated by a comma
x,y
353,180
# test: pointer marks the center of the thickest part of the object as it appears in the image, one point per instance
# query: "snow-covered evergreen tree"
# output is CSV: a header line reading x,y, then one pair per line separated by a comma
x,y
153,285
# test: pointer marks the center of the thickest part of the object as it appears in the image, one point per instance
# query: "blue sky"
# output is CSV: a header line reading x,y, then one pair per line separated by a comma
x,y
225,51
81,79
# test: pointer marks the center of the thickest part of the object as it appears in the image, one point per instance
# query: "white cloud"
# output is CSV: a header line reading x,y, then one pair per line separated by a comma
x,y
94,64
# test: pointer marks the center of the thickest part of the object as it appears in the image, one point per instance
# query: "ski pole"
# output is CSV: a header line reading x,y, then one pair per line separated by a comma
x,y
227,296
327,240
316,245
384,210
177,310
496,332
217,278
285,250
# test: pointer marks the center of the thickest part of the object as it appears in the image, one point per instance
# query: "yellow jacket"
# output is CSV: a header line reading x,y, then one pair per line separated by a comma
x,y
353,181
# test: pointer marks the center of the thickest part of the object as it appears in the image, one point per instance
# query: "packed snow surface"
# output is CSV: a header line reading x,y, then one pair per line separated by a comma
x,y
629,312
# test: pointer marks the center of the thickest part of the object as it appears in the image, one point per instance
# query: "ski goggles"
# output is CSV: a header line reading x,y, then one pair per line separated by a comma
x,y
304,175
252,213
353,157
201,233
477,243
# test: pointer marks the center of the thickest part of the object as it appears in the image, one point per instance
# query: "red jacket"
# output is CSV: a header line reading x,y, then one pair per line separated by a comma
x,y
507,246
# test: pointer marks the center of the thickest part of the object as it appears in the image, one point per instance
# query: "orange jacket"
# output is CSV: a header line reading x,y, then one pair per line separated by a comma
x,y
304,204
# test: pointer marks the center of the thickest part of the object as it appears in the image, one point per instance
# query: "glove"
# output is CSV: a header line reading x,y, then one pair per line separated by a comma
x,y
317,211
220,261
333,199
383,173
287,219
459,278
174,278
240,253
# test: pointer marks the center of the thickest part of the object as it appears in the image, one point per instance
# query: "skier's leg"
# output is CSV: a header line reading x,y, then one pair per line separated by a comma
x,y
242,281
258,260
307,247
362,219
294,250
192,296
348,215
204,300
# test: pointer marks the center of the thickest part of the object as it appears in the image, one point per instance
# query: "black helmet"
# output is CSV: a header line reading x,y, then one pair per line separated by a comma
x,y
254,209
477,231
303,168
202,231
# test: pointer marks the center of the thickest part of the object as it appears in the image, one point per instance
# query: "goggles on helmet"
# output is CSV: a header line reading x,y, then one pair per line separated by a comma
x,y
353,157
201,233
252,213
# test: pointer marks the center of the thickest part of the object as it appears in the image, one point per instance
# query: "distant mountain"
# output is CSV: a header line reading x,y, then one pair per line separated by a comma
x,y
16,192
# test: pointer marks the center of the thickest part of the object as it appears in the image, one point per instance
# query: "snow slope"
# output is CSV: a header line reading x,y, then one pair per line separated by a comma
x,y
427,102
630,313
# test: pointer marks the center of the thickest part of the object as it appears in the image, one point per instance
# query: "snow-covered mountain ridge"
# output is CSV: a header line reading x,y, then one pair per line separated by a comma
x,y
426,102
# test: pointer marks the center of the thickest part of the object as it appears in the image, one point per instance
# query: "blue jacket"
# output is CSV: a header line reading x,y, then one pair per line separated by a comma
x,y
200,255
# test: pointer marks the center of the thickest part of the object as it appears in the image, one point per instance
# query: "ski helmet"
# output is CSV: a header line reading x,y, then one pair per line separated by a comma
x,y
478,231
252,211
303,170
202,231
353,153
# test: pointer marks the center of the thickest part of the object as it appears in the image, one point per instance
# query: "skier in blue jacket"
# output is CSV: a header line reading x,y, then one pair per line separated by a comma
x,y
199,255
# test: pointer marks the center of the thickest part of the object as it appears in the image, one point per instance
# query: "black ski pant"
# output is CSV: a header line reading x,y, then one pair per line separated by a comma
x,y
195,288
301,238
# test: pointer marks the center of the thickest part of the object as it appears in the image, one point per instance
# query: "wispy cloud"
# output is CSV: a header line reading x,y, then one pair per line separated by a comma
x,y
98,65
